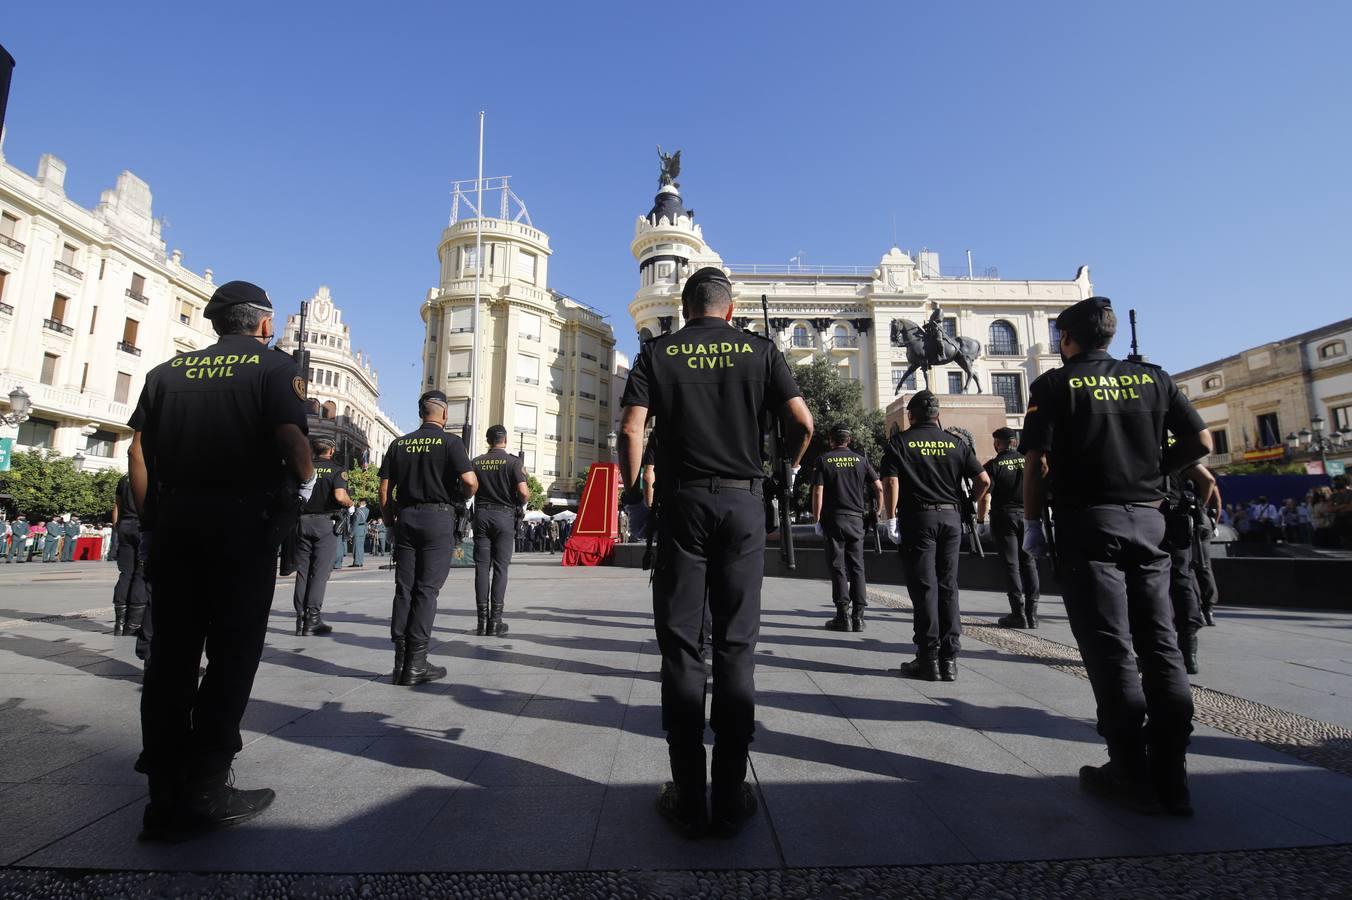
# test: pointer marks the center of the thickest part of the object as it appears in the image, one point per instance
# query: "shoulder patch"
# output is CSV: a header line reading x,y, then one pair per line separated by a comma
x,y
298,385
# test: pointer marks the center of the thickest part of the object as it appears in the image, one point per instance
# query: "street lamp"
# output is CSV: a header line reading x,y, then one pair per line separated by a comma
x,y
1316,441
79,461
19,403
612,443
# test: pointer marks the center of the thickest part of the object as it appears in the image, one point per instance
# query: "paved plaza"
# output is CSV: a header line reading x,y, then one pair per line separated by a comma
x,y
541,752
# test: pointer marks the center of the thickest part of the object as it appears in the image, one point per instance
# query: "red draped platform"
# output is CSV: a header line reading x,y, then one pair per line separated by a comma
x,y
597,526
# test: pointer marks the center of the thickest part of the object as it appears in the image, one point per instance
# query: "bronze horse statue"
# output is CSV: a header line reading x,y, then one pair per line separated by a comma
x,y
962,350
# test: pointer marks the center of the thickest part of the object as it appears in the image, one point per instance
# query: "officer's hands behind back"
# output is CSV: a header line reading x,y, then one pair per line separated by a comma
x,y
1034,540
894,532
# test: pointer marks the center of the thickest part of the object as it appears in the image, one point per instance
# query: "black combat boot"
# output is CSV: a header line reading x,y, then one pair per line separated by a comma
x,y
841,622
1188,644
681,801
731,812
315,624
119,622
163,816
417,670
948,668
213,802
300,625
398,660
921,668
1030,612
1015,619
1124,779
483,620
857,619
135,617
495,624
1169,777
1207,617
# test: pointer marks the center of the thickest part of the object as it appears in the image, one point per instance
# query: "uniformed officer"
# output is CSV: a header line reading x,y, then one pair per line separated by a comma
x,y
51,543
129,595
315,539
1185,493
219,439
708,386
423,474
1005,500
923,468
72,535
502,492
1097,424
18,541
841,482
361,517
1208,515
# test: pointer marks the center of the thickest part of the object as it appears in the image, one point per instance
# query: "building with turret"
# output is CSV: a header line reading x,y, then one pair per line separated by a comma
x,y
343,388
846,313
545,359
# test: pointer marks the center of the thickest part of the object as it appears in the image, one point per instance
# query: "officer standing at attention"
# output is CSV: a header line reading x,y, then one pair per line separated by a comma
x,y
315,539
1005,500
18,541
839,487
502,491
708,385
423,474
1094,439
129,595
221,430
1185,495
923,469
360,517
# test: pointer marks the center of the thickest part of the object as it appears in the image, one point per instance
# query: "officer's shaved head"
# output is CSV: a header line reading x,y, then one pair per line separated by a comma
x,y
322,447
707,292
433,406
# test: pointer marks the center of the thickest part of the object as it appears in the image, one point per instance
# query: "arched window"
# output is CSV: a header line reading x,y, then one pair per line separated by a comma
x,y
1212,383
801,338
841,336
1004,340
330,409
1332,350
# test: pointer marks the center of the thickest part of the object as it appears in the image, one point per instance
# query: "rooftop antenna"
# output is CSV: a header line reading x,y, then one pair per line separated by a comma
x,y
894,229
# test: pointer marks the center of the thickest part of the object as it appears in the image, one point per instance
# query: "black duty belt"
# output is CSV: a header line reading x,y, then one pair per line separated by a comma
x,y
716,483
326,515
489,504
439,506
1076,507
923,507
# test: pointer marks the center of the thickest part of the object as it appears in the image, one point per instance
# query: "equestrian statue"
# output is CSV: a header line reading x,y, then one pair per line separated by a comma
x,y
929,345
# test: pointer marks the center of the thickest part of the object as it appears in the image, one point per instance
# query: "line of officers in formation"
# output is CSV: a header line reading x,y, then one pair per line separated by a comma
x,y
233,436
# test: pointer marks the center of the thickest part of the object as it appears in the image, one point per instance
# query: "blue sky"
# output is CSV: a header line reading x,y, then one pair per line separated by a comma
x,y
1194,155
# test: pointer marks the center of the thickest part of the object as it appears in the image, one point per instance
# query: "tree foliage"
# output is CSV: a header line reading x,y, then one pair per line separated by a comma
x,y
537,493
363,483
834,399
45,484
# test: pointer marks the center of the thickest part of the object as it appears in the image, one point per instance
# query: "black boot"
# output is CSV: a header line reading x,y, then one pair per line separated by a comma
x,y
1030,611
1188,644
1169,777
730,813
482,627
857,619
398,660
204,805
920,668
683,810
417,670
841,622
300,625
1207,617
948,669
495,624
1015,619
119,622
315,624
1124,779
135,617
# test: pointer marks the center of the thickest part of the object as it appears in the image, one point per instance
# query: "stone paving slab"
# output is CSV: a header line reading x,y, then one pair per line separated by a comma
x,y
542,751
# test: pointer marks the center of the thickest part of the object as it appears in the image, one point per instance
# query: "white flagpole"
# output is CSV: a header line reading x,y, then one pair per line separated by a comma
x,y
474,319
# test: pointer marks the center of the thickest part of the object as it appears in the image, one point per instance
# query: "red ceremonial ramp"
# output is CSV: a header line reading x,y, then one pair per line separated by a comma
x,y
597,526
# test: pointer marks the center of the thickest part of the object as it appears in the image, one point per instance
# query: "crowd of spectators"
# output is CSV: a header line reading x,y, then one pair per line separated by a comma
x,y
1322,518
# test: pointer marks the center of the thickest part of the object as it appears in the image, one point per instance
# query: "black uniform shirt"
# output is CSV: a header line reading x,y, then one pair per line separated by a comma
x,y
930,464
499,473
207,418
328,478
709,385
425,466
1006,472
126,503
1101,421
846,479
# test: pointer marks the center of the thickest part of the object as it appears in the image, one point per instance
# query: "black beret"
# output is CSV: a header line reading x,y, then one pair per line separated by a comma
x,y
923,403
1082,312
840,430
1003,434
234,293
496,433
324,443
701,276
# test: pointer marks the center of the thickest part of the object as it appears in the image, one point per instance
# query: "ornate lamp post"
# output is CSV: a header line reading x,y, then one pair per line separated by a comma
x,y
1314,440
20,404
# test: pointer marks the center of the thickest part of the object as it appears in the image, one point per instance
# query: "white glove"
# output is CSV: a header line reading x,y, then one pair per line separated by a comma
x,y
1034,541
817,529
795,476
308,487
894,532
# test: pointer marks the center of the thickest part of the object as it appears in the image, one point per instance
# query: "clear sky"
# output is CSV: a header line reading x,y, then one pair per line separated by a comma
x,y
1195,156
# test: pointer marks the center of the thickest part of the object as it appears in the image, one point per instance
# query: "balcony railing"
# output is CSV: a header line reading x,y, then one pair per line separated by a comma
x,y
68,269
522,429
588,356
1003,348
583,440
526,335
457,375
552,437
521,379
129,348
845,340
6,309
139,298
57,326
10,242
801,342
586,396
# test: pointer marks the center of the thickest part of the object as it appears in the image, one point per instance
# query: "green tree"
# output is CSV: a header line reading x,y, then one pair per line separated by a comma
x,y
537,493
834,398
363,483
45,484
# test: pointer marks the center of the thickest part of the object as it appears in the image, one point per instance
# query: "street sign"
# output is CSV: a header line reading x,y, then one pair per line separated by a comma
x,y
6,448
1336,467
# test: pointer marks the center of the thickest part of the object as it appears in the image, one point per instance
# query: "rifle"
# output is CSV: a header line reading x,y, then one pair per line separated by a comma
x,y
1049,532
968,508
871,519
781,468
1135,354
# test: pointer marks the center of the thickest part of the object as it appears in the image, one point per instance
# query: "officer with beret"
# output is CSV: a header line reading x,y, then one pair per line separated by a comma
x,y
424,474
1005,500
219,439
923,470
841,483
1093,438
315,539
708,385
502,491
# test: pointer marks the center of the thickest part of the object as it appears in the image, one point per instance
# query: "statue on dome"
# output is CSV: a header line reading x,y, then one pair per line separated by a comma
x,y
671,167
930,345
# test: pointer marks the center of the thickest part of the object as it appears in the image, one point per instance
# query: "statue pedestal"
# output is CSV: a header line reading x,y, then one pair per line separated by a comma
x,y
980,414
